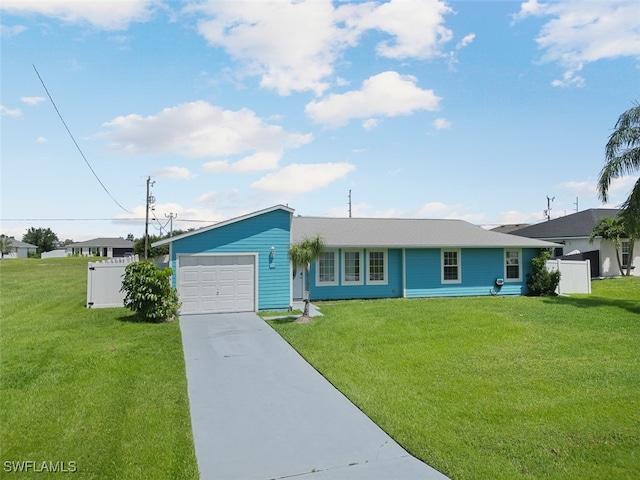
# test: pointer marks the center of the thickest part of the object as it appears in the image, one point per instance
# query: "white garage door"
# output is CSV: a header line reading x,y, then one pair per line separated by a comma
x,y
216,283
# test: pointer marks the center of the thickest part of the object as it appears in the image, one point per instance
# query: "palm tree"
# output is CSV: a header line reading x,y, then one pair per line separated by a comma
x,y
301,255
630,220
6,245
610,229
623,157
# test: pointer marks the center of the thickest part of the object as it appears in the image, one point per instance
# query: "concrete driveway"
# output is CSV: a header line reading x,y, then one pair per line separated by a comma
x,y
260,411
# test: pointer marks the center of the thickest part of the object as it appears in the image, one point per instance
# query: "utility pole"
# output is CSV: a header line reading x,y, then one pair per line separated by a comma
x,y
171,216
150,200
576,204
547,212
349,203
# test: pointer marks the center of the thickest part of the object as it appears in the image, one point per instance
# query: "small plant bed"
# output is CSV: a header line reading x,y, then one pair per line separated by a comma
x,y
493,387
88,386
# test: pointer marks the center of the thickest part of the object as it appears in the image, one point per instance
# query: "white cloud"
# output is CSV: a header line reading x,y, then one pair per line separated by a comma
x,y
293,45
225,196
363,210
387,94
9,112
583,31
466,41
199,130
444,210
441,124
618,190
301,178
436,209
10,31
586,187
187,217
114,15
41,140
370,123
32,100
253,163
415,25
173,172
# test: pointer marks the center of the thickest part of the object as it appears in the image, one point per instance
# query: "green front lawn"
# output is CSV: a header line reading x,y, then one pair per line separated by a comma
x,y
493,387
87,386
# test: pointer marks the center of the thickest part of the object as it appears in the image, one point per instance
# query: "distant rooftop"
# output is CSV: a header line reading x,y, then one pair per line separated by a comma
x,y
104,242
509,228
579,224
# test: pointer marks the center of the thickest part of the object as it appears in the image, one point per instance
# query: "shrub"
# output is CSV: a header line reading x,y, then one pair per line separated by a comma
x,y
149,292
542,282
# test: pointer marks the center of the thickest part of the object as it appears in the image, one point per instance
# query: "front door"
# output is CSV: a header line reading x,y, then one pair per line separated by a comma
x,y
298,284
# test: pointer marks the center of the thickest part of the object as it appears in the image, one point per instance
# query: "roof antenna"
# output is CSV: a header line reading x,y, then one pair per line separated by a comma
x,y
349,203
547,212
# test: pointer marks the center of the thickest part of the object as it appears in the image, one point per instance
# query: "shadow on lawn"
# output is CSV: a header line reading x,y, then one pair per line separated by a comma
x,y
283,320
591,302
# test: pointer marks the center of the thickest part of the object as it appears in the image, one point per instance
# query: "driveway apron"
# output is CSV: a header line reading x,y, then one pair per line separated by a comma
x,y
259,411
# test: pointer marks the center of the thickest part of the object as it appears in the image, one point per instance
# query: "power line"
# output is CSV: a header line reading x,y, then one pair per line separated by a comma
x,y
76,143
185,220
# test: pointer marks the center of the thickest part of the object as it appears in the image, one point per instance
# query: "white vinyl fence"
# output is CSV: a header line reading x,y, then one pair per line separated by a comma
x,y
104,280
575,275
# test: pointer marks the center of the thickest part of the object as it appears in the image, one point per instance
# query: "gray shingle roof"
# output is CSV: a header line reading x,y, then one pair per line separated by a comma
x,y
579,224
104,242
18,244
399,232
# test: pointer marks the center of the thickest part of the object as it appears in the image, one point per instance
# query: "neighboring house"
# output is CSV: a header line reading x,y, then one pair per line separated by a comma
x,y
20,249
102,247
573,231
242,264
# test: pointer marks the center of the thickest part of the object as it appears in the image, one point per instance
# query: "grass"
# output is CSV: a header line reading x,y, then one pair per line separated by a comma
x,y
88,386
493,387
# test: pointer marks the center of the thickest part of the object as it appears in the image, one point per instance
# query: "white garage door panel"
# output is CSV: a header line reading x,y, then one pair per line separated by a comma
x,y
216,284
190,276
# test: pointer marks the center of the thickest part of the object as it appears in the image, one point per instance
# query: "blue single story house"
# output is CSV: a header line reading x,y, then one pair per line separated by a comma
x,y
242,264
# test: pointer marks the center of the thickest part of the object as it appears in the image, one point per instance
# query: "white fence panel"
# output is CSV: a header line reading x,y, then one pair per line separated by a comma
x,y
104,280
575,276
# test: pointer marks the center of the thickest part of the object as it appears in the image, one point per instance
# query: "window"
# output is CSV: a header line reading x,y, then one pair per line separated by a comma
x,y
351,267
451,266
377,267
326,268
625,253
512,265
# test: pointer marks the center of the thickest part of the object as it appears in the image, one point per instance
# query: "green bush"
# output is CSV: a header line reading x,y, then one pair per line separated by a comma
x,y
149,292
541,282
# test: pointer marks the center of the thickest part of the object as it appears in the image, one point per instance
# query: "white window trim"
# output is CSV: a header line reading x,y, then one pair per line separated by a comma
x,y
459,279
335,270
519,279
385,264
362,270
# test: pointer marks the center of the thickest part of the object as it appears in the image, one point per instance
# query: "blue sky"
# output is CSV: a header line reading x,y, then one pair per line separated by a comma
x,y
466,109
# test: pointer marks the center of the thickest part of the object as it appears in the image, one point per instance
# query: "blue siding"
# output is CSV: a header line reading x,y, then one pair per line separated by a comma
x,y
480,267
252,235
393,288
